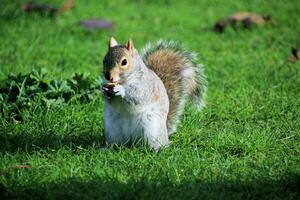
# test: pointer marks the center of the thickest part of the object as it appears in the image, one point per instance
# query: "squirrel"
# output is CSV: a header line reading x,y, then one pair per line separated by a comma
x,y
145,93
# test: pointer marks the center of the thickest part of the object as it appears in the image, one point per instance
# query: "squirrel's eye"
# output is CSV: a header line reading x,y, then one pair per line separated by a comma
x,y
124,62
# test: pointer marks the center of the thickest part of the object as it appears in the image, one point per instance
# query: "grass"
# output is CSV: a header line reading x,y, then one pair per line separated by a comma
x,y
243,145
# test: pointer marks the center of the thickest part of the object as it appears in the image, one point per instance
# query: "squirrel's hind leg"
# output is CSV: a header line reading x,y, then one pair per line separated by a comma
x,y
155,132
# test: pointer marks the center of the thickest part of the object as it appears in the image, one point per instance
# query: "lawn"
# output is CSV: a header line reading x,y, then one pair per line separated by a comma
x,y
245,144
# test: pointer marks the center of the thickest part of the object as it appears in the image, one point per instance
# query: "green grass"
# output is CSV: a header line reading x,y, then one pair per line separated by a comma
x,y
243,145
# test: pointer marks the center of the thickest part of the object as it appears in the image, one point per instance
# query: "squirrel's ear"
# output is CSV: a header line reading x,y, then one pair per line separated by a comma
x,y
112,42
129,45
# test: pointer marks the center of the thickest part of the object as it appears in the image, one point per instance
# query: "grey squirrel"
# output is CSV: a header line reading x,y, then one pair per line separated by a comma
x,y
145,93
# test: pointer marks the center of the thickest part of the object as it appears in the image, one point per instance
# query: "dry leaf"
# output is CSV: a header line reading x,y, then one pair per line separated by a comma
x,y
45,9
294,55
93,24
247,19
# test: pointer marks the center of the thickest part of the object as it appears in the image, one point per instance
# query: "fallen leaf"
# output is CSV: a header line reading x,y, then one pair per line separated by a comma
x,y
247,20
93,24
294,55
45,9
67,5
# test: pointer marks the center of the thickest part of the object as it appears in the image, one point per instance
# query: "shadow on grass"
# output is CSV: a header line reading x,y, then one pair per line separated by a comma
x,y
99,188
30,142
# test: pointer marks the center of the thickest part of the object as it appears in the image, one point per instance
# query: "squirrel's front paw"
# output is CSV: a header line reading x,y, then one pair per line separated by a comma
x,y
107,90
119,90
110,90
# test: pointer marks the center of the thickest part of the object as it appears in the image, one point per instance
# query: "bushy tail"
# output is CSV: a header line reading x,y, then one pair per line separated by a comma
x,y
182,76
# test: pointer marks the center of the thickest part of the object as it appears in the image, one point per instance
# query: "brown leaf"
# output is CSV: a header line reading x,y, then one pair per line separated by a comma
x,y
294,55
247,19
45,9
93,24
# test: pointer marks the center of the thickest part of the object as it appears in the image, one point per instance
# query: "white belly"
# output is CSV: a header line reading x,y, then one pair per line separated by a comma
x,y
146,124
